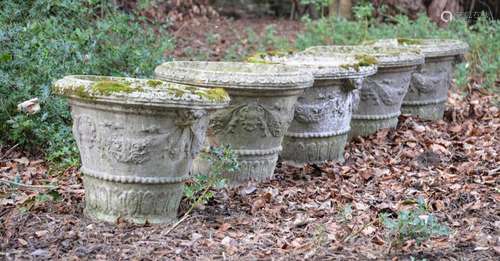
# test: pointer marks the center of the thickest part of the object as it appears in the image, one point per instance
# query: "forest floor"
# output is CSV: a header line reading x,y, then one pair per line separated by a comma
x,y
329,211
222,38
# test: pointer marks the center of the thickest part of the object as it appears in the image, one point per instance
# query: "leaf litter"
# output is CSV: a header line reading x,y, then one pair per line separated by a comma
x,y
329,211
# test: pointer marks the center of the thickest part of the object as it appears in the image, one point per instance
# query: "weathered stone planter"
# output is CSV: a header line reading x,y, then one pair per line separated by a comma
x,y
137,139
322,115
429,85
382,94
262,101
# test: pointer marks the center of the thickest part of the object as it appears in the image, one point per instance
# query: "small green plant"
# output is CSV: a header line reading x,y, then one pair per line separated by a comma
x,y
415,224
320,235
221,159
345,213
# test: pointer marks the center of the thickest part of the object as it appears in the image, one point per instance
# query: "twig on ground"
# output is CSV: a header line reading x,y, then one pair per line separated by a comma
x,y
354,234
26,185
9,151
186,215
177,224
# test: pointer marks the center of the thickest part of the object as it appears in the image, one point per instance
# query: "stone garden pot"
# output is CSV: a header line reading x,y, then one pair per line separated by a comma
x,y
320,125
261,109
429,85
137,139
381,96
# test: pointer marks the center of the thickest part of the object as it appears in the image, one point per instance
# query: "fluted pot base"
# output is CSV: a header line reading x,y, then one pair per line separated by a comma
x,y
132,202
252,168
433,112
364,127
299,151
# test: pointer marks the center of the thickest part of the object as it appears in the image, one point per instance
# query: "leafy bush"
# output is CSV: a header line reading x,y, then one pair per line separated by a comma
x,y
484,41
43,40
416,224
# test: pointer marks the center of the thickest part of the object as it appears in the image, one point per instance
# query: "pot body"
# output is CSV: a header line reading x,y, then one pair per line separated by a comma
x,y
320,125
254,124
380,100
135,159
428,92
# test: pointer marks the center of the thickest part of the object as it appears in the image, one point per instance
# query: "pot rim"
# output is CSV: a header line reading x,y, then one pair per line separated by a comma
x,y
139,92
430,47
385,56
334,67
235,75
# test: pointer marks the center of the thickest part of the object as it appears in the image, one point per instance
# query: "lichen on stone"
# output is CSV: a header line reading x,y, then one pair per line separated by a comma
x,y
362,60
409,41
269,57
82,92
365,60
108,87
154,83
217,94
176,92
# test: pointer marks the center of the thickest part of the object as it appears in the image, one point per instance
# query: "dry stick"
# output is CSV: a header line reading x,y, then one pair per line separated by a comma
x,y
186,215
358,231
9,151
26,185
494,172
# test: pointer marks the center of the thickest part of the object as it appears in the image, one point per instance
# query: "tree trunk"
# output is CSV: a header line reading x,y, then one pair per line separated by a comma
x,y
341,8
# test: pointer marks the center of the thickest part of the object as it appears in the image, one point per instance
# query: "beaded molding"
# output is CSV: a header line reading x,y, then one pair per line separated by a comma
x,y
131,179
259,152
376,117
317,134
428,102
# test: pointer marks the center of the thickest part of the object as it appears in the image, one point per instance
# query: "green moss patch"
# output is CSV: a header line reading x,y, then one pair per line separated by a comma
x,y
154,83
364,60
110,87
217,94
409,41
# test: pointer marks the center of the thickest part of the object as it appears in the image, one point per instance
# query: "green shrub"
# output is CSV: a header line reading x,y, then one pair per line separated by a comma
x,y
482,36
43,40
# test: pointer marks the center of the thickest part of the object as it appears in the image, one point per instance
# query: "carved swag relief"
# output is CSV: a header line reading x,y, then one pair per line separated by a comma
x,y
329,106
185,140
388,92
249,117
426,82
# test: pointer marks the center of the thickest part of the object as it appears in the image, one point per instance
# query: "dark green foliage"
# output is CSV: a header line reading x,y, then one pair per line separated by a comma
x,y
43,40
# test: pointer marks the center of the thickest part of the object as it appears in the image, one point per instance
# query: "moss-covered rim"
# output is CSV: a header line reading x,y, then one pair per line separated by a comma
x,y
130,90
386,56
322,67
430,47
232,68
235,75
